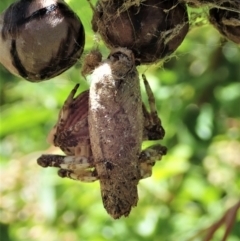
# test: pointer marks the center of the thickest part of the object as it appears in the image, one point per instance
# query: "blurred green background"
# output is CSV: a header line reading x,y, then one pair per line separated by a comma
x,y
198,98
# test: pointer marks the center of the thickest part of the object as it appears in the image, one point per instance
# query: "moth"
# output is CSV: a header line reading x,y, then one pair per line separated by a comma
x,y
101,132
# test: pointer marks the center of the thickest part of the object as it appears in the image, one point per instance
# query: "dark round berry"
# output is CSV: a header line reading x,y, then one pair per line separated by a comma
x,y
40,39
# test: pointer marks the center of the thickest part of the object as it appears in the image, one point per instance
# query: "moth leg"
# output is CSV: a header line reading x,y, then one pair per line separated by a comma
x,y
153,129
148,157
80,175
76,168
50,160
63,114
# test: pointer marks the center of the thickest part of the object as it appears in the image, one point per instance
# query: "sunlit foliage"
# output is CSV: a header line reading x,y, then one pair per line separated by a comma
x,y
198,98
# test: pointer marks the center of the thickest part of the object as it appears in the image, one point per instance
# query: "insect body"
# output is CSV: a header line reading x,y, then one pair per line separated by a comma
x,y
116,130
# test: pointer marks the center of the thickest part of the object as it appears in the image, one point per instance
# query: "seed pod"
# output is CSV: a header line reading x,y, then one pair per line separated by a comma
x,y
116,129
152,29
227,22
40,39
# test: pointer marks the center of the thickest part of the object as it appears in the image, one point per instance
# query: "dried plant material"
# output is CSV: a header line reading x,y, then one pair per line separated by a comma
x,y
222,4
152,29
40,39
226,220
227,22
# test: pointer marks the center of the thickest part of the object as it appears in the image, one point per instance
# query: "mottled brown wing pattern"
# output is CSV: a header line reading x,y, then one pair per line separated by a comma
x,y
116,130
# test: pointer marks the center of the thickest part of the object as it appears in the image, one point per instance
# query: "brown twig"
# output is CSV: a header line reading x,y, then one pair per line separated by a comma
x,y
228,219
